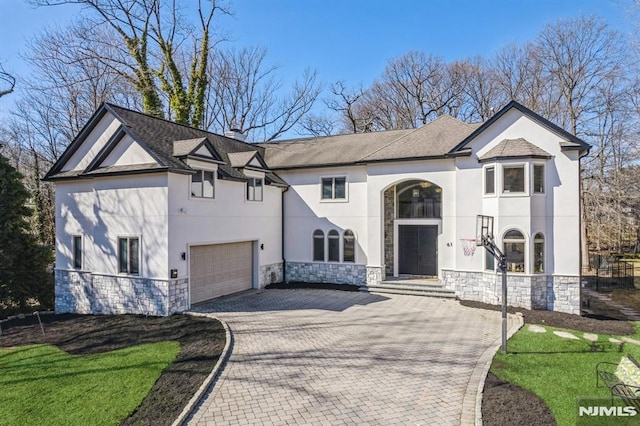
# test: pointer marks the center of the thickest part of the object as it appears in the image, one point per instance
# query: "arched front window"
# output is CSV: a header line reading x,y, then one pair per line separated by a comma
x,y
538,253
514,250
334,246
419,199
318,245
348,246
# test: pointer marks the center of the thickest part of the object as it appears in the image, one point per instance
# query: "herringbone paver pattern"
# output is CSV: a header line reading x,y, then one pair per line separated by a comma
x,y
322,357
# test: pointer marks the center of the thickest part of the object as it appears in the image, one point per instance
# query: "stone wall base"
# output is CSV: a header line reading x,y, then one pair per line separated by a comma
x,y
270,274
550,292
333,273
87,293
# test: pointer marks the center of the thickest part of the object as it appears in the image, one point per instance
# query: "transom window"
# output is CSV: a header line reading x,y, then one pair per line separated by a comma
x,y
202,184
334,188
513,179
254,189
129,255
419,199
514,250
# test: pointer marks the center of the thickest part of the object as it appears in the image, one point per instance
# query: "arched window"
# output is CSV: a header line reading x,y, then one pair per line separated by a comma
x,y
419,199
514,250
318,245
348,246
334,246
538,253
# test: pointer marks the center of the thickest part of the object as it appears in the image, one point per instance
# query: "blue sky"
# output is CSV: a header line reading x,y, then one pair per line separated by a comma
x,y
349,40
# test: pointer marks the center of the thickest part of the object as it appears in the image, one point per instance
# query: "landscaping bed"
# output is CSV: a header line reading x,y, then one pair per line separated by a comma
x,y
201,342
505,403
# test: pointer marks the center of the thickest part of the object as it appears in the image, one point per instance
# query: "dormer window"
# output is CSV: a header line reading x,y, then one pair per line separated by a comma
x,y
203,184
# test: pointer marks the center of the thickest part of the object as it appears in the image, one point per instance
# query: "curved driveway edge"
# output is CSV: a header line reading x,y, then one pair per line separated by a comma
x,y
210,379
472,403
333,357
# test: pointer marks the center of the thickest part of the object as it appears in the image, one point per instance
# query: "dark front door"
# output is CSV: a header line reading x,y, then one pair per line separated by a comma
x,y
417,251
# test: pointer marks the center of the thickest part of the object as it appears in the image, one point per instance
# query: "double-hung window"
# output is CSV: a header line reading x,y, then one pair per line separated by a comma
x,y
334,188
203,184
254,189
129,255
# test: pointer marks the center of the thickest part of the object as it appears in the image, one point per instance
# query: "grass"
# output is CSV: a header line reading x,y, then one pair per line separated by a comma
x,y
558,370
43,385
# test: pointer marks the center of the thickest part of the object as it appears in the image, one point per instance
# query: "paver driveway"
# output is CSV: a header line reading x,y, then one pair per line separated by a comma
x,y
333,357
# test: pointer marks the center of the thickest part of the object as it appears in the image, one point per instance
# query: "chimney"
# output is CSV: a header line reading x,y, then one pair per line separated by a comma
x,y
236,134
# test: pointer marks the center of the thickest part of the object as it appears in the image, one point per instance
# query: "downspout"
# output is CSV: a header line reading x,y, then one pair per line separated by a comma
x,y
284,261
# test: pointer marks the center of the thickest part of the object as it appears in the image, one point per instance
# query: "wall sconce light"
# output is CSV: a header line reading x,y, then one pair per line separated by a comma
x,y
183,210
261,246
183,256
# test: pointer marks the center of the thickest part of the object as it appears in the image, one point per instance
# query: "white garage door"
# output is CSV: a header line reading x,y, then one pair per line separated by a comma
x,y
220,269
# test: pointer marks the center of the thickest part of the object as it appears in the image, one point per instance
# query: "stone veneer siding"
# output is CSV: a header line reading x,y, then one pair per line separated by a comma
x,y
389,216
320,272
87,293
550,292
270,274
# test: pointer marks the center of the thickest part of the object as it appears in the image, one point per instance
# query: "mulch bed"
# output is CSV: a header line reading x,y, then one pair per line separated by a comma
x,y
201,343
322,286
507,404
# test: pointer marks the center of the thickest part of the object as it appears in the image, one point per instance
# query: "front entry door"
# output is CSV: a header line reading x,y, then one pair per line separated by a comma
x,y
418,249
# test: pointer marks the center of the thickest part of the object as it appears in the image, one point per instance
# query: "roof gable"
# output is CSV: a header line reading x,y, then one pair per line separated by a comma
x,y
568,137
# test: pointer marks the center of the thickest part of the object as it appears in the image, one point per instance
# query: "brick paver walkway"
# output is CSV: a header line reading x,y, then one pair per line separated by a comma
x,y
329,357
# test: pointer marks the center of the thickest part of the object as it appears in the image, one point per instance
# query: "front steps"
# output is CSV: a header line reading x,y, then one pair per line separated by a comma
x,y
413,287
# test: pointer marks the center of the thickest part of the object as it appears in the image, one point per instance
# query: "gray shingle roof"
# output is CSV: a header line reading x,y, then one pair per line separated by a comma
x,y
435,139
166,141
240,159
515,148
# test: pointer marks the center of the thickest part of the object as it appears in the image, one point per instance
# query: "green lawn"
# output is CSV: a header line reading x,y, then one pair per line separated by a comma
x,y
40,384
558,370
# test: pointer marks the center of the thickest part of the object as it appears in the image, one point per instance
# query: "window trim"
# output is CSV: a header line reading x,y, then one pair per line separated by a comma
x,y
253,180
129,238
74,264
202,172
484,180
533,177
333,198
525,187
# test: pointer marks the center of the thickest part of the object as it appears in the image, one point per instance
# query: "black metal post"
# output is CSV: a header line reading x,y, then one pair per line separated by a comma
x,y
490,246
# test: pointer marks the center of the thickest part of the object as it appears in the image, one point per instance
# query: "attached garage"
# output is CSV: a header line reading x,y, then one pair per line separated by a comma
x,y
220,269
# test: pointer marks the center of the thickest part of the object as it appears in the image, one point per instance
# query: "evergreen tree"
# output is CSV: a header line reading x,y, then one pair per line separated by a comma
x,y
24,263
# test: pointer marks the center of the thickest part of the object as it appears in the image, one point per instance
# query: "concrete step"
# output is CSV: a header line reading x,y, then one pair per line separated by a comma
x,y
429,290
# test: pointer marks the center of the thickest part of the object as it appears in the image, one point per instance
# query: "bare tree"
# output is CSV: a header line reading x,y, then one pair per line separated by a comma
x,y
7,82
245,95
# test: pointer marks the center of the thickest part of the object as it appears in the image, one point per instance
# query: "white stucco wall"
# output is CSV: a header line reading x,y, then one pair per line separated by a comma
x,y
554,213
127,152
102,209
227,218
305,211
93,143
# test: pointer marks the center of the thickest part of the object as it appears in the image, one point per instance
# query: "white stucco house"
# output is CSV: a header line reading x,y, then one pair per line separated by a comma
x,y
153,217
